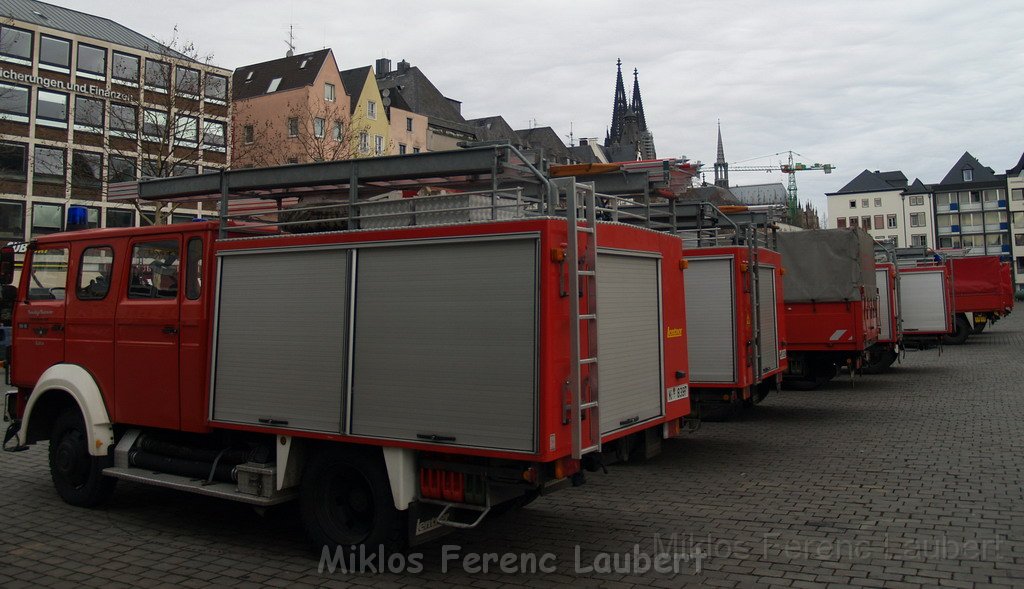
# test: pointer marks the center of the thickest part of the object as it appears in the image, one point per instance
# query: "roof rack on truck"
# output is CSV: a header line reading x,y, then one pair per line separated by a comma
x,y
403,343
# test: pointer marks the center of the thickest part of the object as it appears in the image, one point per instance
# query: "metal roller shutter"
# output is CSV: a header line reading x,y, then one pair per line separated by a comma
x,y
629,340
281,339
884,304
922,303
445,343
768,321
710,320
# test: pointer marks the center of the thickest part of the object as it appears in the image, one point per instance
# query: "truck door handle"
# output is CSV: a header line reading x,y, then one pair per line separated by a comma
x,y
170,329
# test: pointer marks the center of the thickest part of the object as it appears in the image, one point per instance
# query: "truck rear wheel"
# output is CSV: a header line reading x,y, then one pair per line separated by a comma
x,y
961,329
77,476
345,500
880,357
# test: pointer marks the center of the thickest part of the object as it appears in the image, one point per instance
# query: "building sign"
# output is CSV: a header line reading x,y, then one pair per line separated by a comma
x,y
62,85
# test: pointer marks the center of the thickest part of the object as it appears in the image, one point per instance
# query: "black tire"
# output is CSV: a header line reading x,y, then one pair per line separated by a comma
x,y
345,500
880,358
77,476
961,330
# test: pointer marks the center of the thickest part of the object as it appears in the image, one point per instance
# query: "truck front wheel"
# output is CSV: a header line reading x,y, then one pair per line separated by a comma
x,y
961,329
345,499
77,476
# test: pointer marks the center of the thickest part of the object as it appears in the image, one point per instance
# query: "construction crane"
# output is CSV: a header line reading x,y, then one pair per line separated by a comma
x,y
790,168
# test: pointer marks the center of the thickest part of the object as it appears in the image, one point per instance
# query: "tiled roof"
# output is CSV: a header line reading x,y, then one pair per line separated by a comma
x,y
547,139
289,69
354,80
868,181
979,173
917,187
80,23
495,129
421,95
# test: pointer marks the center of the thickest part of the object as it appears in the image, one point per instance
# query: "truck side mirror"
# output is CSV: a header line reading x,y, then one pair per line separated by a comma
x,y
7,265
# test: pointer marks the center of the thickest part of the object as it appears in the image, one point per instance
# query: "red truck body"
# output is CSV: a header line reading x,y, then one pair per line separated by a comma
x,y
727,363
981,284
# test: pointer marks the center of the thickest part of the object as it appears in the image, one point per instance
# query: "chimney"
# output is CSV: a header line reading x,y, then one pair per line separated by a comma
x,y
583,141
383,66
403,66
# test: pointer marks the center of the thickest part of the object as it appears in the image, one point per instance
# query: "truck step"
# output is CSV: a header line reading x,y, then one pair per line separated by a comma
x,y
201,487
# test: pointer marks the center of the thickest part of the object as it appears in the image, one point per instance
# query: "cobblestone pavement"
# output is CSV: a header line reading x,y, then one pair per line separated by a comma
x,y
910,478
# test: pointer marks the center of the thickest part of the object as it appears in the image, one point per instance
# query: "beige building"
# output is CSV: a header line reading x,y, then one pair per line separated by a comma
x,y
85,102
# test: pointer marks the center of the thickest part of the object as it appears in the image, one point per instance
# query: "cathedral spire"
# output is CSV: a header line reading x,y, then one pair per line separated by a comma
x,y
637,105
618,109
721,167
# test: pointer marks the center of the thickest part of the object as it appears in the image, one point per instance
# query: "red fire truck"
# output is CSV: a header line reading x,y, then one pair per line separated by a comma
x,y
886,350
831,303
925,295
436,359
982,293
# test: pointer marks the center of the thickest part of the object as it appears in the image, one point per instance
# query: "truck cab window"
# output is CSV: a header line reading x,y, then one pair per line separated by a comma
x,y
94,273
49,277
194,269
154,271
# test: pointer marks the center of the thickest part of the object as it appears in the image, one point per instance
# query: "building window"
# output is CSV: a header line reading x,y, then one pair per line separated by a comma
x,y
86,169
864,203
124,119
917,220
120,169
1018,239
13,161
329,92
974,197
879,221
55,52
184,170
47,218
337,130
841,223
968,174
120,218
151,168
401,149
319,127
247,133
186,130
49,165
293,127
916,201
16,44
993,195
1017,194
214,134
158,75
364,142
415,150
878,201
378,144
865,222
944,199
293,160
92,61
1020,265
995,239
853,204
371,109
14,103
52,107
408,123
88,114
12,220
995,218
216,88
1018,218
854,222
890,221
154,123
186,81
274,84
918,240
125,68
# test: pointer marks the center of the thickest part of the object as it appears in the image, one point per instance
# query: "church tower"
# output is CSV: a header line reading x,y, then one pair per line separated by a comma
x,y
628,135
721,167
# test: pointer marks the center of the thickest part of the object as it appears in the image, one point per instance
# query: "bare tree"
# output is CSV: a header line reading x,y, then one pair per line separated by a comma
x,y
165,135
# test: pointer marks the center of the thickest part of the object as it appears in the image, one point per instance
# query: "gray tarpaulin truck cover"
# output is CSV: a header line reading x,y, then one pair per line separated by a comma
x,y
828,265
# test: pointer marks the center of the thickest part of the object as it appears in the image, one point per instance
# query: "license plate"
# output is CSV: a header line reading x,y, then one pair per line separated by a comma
x,y
679,392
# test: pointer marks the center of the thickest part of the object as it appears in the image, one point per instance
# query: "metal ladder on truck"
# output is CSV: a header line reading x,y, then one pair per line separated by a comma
x,y
583,404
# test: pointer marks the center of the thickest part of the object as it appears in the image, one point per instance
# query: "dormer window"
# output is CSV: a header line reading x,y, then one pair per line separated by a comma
x,y
968,174
273,85
302,65
248,78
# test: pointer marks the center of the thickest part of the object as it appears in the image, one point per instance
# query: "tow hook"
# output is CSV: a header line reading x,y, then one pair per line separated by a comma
x,y
12,433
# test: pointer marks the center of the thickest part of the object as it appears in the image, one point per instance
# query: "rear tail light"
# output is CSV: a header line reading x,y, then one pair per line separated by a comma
x,y
565,467
455,487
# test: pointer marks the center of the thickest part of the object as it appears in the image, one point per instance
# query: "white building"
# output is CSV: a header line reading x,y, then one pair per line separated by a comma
x,y
885,205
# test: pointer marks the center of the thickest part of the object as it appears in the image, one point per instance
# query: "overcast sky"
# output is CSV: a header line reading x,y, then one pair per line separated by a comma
x,y
880,85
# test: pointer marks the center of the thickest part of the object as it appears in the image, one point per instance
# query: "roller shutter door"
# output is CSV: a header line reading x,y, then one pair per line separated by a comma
x,y
884,304
629,340
445,343
710,320
922,302
281,339
768,320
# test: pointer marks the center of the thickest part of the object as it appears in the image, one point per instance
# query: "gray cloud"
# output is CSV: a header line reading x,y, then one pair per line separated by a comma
x,y
863,84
